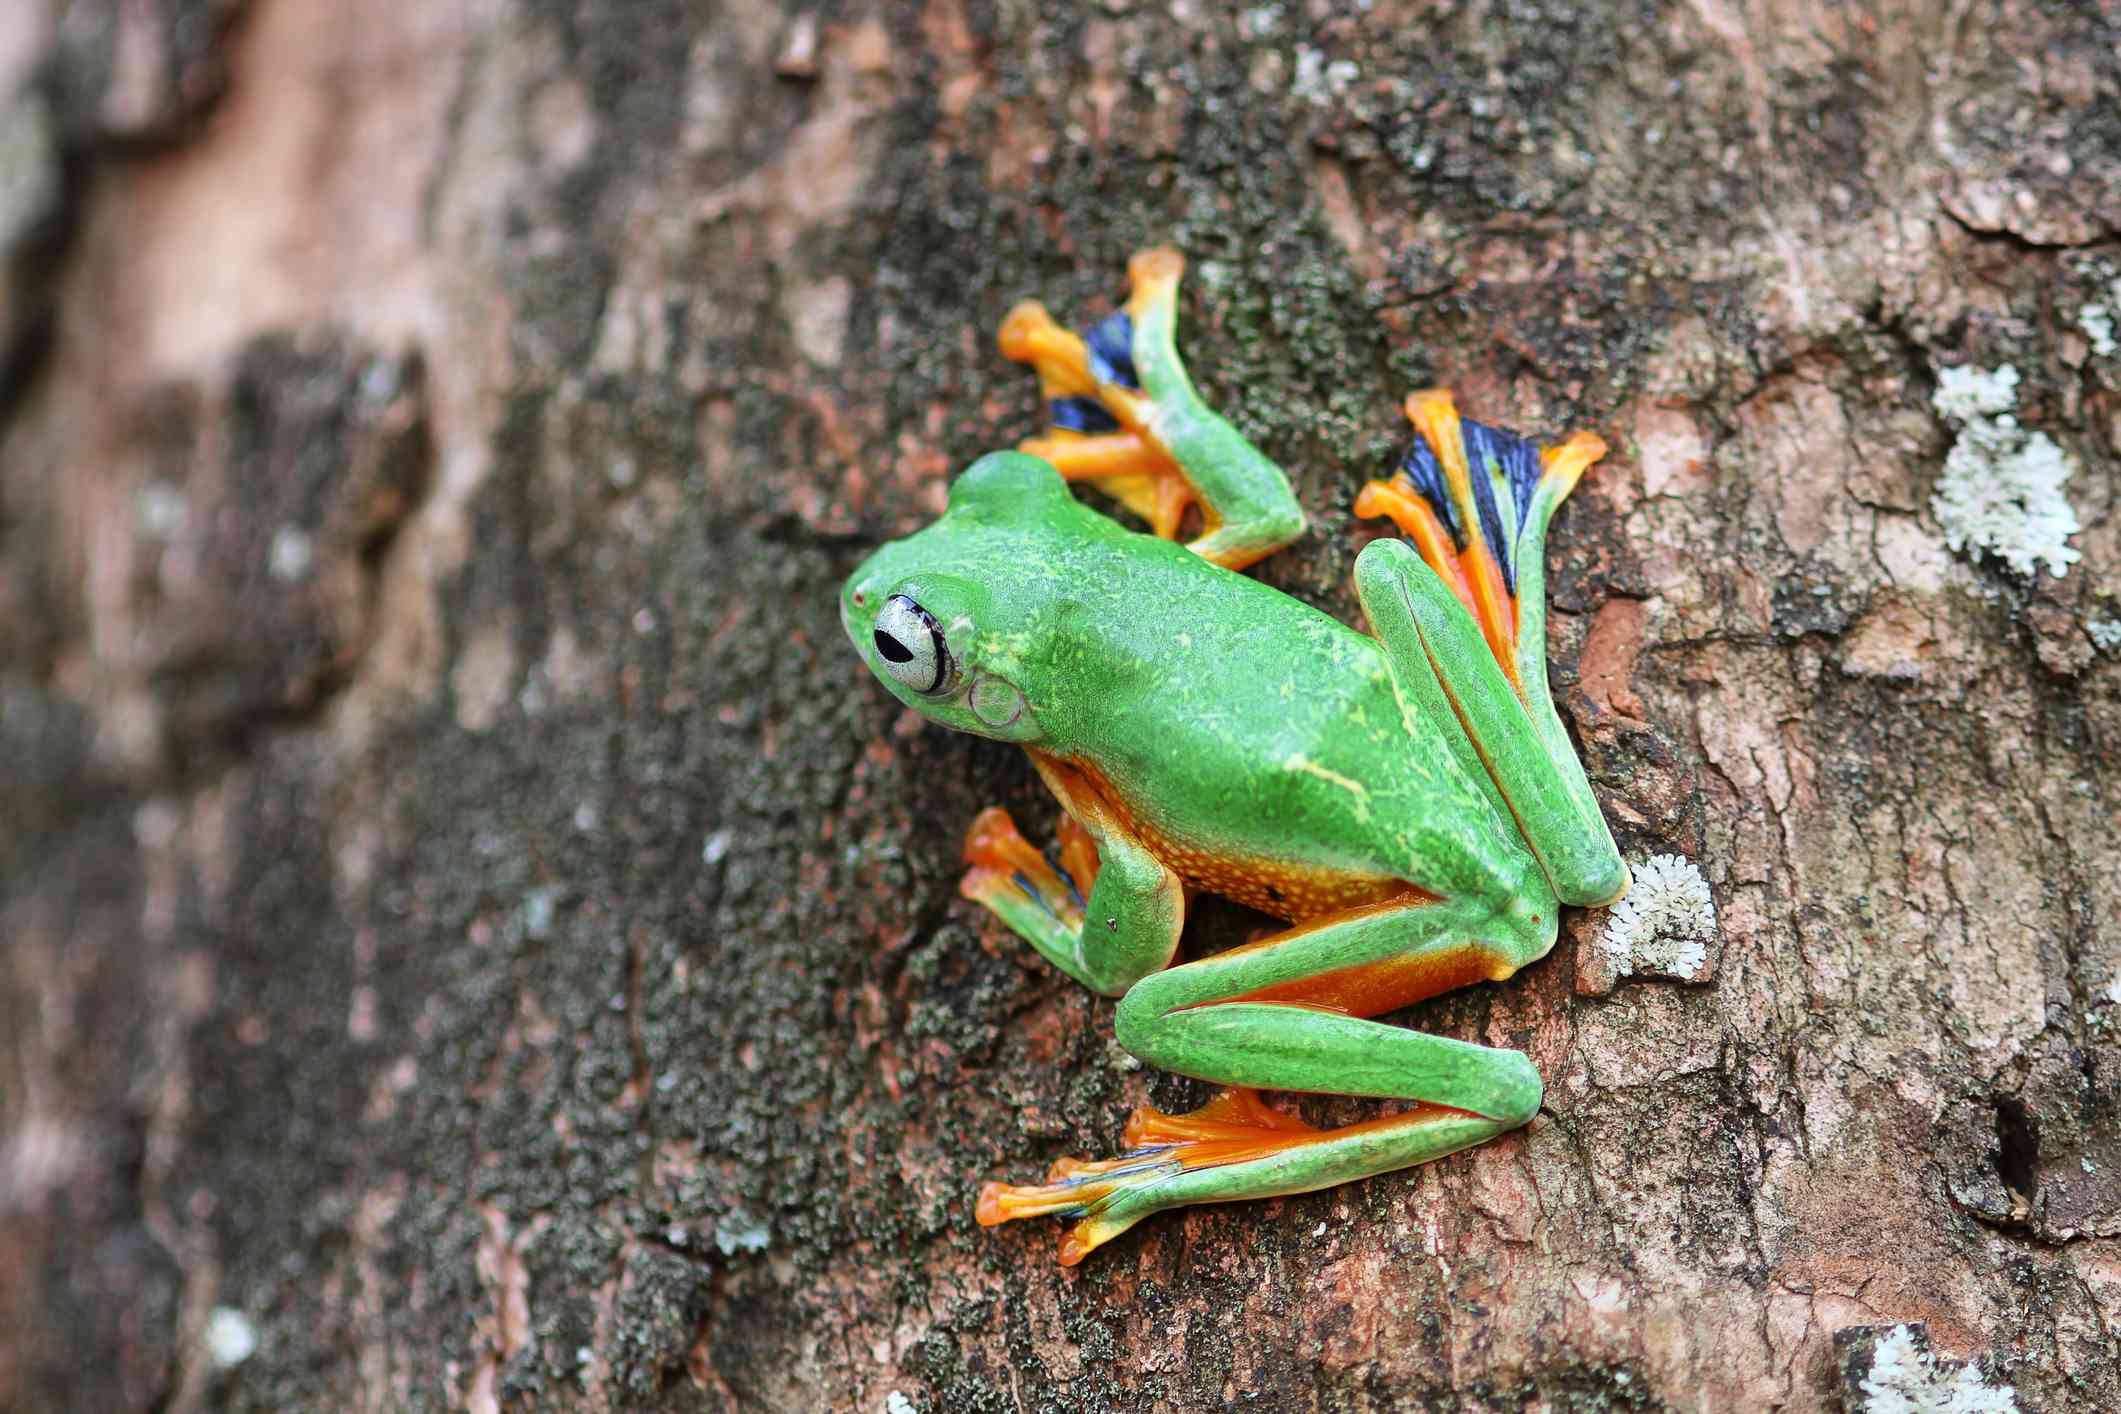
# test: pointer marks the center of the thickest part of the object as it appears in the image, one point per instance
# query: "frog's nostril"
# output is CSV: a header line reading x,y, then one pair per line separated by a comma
x,y
893,650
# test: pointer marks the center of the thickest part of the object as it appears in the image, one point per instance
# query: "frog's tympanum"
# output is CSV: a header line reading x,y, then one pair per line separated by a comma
x,y
1406,799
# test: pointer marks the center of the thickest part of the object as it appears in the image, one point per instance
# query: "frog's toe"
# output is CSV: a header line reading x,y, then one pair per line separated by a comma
x,y
1154,274
1073,1187
1030,335
1107,1196
1098,418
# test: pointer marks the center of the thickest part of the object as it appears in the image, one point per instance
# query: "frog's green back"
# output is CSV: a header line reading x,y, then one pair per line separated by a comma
x,y
1231,720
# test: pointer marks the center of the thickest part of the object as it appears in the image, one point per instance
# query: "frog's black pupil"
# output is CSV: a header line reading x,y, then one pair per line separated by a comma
x,y
892,649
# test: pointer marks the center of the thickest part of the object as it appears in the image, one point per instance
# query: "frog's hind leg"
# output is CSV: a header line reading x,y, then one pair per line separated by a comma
x,y
1288,1013
1123,414
1510,743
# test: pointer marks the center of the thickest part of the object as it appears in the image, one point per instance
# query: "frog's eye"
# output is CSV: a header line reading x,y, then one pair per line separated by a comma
x,y
911,644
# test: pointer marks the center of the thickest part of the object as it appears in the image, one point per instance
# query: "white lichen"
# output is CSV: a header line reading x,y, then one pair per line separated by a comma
x,y
715,846
291,554
739,1232
1665,923
896,1403
160,510
1319,82
540,906
2105,634
1905,1379
1969,394
2002,486
230,1337
2096,317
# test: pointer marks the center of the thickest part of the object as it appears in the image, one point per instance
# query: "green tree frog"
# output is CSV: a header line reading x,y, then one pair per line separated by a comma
x,y
1405,798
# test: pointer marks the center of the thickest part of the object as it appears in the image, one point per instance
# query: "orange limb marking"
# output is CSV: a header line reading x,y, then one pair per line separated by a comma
x,y
1374,988
1403,895
1371,988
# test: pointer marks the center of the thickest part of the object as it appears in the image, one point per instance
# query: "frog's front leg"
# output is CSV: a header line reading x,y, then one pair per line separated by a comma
x,y
1288,1014
1125,416
1108,917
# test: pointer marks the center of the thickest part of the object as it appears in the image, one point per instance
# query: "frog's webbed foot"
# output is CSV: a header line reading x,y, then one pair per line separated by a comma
x,y
1108,1196
1096,413
1122,414
1171,1161
1475,501
1012,880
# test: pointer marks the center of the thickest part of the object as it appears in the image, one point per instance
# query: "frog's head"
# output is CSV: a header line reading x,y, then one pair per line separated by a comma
x,y
955,620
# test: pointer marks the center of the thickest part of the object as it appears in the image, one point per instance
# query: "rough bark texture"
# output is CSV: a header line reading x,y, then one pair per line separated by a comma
x,y
465,911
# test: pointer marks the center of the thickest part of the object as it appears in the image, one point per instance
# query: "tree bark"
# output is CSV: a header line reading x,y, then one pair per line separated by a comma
x,y
473,930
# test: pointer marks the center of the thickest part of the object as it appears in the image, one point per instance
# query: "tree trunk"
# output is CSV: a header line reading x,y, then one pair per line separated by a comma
x,y
475,937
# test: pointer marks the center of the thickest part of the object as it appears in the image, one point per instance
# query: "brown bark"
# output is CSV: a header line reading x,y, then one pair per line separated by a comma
x,y
467,915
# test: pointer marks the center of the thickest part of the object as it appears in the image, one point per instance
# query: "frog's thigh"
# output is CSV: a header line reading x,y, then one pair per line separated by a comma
x,y
1443,669
1276,1016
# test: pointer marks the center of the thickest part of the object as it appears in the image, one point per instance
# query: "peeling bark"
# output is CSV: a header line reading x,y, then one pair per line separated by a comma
x,y
468,921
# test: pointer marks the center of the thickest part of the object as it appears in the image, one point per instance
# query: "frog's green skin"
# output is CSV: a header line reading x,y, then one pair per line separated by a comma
x,y
1417,820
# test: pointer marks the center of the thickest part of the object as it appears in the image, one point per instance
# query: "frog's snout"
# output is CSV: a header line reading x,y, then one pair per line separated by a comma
x,y
858,603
